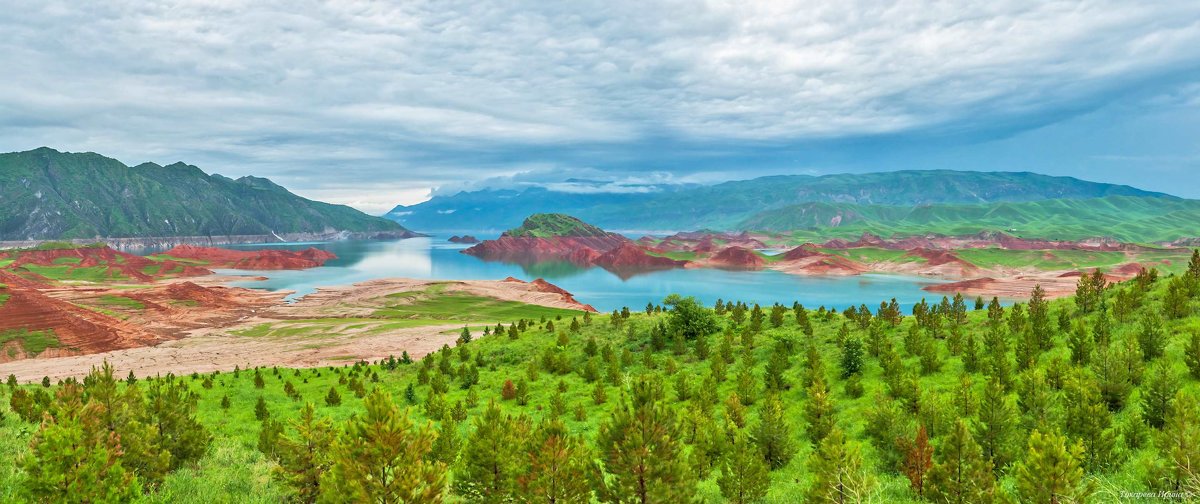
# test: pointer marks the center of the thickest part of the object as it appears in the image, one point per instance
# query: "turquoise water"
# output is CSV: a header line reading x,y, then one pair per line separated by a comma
x,y
435,258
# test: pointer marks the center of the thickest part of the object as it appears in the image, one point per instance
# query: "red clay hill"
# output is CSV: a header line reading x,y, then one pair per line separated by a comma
x,y
558,237
252,259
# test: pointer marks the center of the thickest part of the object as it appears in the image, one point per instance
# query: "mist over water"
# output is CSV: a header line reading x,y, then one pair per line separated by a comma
x,y
435,258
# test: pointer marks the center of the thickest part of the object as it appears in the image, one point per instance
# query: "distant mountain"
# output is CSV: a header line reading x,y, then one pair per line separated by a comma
x,y
47,194
1125,218
729,205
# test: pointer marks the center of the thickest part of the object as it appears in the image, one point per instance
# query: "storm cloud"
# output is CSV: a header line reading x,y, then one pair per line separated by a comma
x,y
372,103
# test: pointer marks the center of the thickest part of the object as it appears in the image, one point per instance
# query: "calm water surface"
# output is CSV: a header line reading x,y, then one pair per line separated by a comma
x,y
435,258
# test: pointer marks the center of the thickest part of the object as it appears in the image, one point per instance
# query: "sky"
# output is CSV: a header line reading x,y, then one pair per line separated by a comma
x,y
373,103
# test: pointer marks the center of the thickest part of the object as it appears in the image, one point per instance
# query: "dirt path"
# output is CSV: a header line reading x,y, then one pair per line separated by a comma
x,y
218,351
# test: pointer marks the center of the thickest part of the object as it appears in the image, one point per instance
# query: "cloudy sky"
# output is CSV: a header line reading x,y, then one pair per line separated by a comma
x,y
373,103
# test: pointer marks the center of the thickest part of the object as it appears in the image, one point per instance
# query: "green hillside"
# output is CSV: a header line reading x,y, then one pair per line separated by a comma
x,y
1082,398
1126,218
554,225
56,195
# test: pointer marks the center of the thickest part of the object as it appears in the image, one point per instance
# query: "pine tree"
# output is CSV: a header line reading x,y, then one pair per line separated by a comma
x,y
1193,271
303,458
641,446
1177,467
381,456
560,469
1039,319
73,458
333,398
171,407
1089,422
778,364
994,426
852,358
918,459
1191,354
1080,342
493,457
747,386
1052,471
123,413
773,434
1176,300
1151,338
744,475
838,475
819,413
1158,395
961,475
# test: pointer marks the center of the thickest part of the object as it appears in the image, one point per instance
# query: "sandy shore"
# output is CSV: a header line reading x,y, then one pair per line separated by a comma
x,y
205,339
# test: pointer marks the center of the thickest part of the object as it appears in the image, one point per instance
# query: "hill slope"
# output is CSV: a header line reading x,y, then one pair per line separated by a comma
x,y
47,194
1125,218
724,206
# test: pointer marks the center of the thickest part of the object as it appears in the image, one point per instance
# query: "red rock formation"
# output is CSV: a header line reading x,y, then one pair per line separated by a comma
x,y
253,259
463,239
630,257
737,258
78,330
204,296
965,286
543,286
937,257
804,251
526,249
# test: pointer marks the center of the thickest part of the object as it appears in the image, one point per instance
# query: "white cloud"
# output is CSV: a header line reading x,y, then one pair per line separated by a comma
x,y
406,96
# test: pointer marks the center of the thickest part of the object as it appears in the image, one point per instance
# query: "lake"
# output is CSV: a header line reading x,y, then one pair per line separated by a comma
x,y
436,258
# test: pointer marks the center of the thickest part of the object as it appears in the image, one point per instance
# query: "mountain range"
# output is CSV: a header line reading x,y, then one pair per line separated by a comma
x,y
935,201
46,194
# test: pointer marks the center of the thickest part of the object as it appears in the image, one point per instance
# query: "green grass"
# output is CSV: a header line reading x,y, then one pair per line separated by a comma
x,y
67,273
180,260
74,261
429,307
114,301
547,225
233,471
684,255
32,342
873,254
456,306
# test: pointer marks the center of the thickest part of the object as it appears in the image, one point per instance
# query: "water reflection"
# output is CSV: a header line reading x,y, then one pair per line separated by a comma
x,y
435,258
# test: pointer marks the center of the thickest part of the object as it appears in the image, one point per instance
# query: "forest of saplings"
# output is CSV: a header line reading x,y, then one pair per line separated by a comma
x,y
1092,398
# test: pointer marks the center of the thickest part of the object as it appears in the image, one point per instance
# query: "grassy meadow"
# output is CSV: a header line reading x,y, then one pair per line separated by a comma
x,y
720,381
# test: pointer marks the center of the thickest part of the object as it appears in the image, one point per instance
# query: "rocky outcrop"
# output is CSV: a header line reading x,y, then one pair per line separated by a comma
x,y
737,258
529,249
463,239
544,286
252,259
76,329
629,258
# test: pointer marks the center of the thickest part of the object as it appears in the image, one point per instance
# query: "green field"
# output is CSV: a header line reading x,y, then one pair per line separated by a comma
x,y
1126,391
33,342
68,273
435,305
114,301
